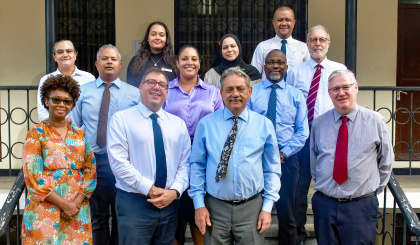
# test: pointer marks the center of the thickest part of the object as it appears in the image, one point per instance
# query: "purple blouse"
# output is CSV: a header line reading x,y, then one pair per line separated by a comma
x,y
203,99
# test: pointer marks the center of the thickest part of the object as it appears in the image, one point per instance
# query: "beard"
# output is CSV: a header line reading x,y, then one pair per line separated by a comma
x,y
319,55
274,77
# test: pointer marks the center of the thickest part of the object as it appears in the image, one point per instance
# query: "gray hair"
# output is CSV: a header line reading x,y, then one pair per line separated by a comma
x,y
235,71
107,46
56,43
153,70
342,73
317,27
283,8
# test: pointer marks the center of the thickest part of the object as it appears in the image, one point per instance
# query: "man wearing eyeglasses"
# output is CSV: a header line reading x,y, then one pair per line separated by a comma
x,y
285,106
311,77
65,55
98,101
149,152
296,51
351,162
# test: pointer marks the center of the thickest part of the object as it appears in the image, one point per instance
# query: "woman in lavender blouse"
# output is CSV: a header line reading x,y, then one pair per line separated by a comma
x,y
190,98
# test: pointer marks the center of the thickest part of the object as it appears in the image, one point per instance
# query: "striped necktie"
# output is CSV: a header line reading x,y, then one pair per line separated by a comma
x,y
313,91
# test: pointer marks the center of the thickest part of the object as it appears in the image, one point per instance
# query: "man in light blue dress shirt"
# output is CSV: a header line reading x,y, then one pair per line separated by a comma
x,y
86,115
147,213
292,130
231,208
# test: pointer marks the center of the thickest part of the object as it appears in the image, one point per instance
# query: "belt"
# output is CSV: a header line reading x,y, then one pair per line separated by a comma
x,y
350,198
240,201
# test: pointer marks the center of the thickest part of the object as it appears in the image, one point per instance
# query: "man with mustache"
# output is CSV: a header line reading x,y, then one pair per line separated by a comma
x,y
149,152
235,168
296,51
98,101
285,106
311,77
351,162
65,55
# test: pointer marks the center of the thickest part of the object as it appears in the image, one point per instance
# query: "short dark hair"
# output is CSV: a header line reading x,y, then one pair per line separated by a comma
x,y
62,82
154,70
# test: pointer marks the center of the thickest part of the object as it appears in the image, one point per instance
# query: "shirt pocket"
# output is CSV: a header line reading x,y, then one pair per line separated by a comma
x,y
287,114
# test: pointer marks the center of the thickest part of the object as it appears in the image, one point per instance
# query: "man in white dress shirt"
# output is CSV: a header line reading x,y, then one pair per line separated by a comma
x,y
296,51
65,55
148,151
312,73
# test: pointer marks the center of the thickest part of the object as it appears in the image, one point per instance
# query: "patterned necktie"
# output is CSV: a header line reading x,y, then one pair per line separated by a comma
x,y
272,102
283,49
103,116
227,150
159,153
313,91
340,162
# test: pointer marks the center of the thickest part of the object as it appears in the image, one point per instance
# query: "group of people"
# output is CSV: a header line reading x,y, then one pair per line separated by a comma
x,y
132,163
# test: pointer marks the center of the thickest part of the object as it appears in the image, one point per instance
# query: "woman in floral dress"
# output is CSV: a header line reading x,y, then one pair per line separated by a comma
x,y
60,172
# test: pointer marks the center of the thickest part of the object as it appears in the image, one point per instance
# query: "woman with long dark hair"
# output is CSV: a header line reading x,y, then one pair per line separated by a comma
x,y
229,54
156,51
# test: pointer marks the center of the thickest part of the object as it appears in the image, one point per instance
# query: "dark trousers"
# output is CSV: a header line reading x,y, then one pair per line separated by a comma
x,y
345,223
139,222
186,214
286,204
302,190
102,203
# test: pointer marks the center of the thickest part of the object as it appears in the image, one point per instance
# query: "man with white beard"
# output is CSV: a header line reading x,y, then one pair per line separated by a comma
x,y
285,106
311,77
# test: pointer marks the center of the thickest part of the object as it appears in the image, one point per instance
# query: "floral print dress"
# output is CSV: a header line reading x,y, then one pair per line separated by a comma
x,y
66,166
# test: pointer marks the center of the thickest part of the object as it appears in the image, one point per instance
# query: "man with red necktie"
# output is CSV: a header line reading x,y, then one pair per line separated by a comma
x,y
311,77
351,161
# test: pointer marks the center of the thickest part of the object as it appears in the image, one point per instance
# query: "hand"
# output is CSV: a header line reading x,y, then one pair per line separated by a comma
x,y
70,209
78,200
164,198
154,192
264,221
281,157
202,218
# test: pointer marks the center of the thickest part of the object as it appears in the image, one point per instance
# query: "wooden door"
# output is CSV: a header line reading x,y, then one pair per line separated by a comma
x,y
408,75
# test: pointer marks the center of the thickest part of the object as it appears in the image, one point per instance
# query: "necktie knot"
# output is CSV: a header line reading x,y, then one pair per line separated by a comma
x,y
154,116
275,86
344,119
108,85
283,41
319,66
235,119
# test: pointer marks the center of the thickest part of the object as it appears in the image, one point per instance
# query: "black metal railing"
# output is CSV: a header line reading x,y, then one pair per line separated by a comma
x,y
382,99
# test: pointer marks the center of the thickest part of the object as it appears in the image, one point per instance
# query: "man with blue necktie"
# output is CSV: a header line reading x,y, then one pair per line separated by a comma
x,y
285,106
235,168
148,151
296,51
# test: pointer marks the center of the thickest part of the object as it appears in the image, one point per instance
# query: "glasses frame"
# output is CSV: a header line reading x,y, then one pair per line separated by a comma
x,y
281,63
321,40
336,90
153,82
57,101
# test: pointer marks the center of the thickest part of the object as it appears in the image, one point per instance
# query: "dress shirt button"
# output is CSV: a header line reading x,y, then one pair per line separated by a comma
x,y
235,152
234,165
234,181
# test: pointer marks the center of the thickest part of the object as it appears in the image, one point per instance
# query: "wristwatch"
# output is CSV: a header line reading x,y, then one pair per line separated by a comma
x,y
177,194
283,154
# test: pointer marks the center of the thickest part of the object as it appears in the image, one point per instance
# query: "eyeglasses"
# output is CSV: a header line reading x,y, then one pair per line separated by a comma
x,y
314,40
271,63
345,88
152,83
61,51
57,101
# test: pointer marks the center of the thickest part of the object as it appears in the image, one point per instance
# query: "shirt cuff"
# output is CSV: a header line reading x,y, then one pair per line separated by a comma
x,y
267,205
199,201
286,150
144,186
178,187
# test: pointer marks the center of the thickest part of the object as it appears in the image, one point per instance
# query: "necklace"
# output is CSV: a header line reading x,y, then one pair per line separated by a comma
x,y
157,61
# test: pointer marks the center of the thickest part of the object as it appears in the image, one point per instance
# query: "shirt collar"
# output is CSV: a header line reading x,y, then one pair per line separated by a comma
x,y
266,83
146,112
175,83
117,82
75,73
313,63
351,115
289,39
228,114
